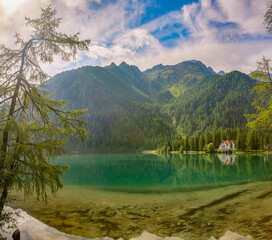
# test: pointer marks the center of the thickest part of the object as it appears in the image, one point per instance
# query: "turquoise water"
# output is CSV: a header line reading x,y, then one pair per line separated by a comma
x,y
141,172
189,196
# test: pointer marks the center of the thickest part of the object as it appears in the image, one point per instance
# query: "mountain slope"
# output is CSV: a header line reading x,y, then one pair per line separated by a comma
x,y
130,109
166,82
212,102
121,114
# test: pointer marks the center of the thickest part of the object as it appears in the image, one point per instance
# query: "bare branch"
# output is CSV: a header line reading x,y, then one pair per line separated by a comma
x,y
6,100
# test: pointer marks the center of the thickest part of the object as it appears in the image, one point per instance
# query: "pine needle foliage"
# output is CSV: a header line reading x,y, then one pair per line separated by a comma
x,y
268,19
262,119
34,129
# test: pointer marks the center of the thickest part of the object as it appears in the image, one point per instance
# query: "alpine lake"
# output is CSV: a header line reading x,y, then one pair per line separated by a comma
x,y
192,196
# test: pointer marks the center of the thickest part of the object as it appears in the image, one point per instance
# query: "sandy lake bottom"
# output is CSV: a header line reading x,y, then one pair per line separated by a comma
x,y
88,212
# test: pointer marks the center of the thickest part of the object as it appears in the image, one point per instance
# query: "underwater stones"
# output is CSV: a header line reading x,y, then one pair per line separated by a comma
x,y
233,236
179,223
172,225
149,236
110,212
212,238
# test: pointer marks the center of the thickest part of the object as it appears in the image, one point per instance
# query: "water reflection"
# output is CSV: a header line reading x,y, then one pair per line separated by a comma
x,y
171,171
227,159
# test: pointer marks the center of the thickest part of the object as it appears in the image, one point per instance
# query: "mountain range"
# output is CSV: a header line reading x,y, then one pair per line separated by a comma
x,y
131,109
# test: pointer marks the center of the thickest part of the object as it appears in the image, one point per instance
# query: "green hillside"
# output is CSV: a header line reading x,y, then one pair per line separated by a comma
x,y
121,114
212,102
130,109
167,82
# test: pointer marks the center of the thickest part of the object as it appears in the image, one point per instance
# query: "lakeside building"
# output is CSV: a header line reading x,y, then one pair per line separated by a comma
x,y
227,146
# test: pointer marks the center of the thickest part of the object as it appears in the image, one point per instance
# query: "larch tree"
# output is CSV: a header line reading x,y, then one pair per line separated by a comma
x,y
268,19
35,128
262,119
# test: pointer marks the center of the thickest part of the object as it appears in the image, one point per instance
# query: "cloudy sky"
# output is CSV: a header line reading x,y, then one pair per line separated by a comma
x,y
224,34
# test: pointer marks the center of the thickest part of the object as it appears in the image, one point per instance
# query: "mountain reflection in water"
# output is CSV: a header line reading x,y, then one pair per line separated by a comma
x,y
129,171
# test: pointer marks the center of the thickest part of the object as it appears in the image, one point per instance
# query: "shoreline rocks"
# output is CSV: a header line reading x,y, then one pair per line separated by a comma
x,y
33,229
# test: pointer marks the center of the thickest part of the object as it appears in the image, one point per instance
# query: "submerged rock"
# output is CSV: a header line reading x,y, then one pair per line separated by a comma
x,y
233,236
149,236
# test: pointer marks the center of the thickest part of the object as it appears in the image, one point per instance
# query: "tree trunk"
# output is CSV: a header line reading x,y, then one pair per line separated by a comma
x,y
3,198
6,181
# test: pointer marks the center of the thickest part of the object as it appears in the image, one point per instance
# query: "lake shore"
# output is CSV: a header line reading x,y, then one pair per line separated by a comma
x,y
184,196
245,209
203,152
33,229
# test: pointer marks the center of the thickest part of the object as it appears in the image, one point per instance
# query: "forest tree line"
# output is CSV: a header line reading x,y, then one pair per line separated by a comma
x,y
245,140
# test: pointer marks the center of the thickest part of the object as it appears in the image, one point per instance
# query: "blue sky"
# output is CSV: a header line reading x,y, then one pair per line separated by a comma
x,y
224,34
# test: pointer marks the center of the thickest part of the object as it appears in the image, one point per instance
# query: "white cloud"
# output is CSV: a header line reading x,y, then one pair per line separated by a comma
x,y
136,38
79,4
12,17
109,54
116,35
220,47
221,56
101,25
248,14
126,47
243,17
